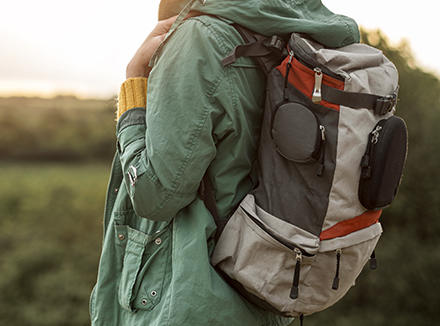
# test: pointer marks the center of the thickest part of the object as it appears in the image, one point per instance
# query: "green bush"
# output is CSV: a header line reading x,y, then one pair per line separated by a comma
x,y
50,233
61,129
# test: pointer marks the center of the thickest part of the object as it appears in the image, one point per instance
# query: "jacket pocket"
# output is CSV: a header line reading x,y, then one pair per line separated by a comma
x,y
144,266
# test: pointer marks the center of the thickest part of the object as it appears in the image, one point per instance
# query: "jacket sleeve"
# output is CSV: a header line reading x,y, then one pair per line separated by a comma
x,y
166,149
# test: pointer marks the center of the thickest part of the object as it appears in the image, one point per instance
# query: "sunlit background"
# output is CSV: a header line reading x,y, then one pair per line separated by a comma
x,y
82,47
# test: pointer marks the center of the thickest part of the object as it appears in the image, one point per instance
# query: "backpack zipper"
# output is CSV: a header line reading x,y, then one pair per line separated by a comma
x,y
299,253
373,139
373,261
286,79
322,150
294,290
272,235
335,285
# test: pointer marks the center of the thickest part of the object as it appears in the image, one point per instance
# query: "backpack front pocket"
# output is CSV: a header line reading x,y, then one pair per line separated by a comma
x,y
267,261
335,269
145,262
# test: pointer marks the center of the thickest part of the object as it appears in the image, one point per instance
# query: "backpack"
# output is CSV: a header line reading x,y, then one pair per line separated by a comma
x,y
330,158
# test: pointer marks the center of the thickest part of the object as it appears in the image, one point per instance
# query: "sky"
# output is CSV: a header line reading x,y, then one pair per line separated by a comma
x,y
82,47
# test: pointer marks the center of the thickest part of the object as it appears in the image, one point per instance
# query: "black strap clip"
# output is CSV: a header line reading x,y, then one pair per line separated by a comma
x,y
385,104
275,42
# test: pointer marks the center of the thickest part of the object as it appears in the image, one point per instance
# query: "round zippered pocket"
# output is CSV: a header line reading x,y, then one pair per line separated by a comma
x,y
297,133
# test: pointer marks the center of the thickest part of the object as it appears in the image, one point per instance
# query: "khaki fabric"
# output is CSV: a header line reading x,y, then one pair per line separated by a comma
x,y
265,267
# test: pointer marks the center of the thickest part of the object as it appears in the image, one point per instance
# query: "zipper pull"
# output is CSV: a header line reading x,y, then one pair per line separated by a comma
x,y
322,156
375,135
335,285
322,128
286,79
294,290
317,97
373,261
290,57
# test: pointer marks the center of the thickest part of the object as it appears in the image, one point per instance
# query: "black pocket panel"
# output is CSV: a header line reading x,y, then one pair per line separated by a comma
x,y
296,133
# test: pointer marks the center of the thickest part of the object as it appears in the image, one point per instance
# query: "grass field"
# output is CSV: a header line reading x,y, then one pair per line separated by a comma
x,y
50,236
50,233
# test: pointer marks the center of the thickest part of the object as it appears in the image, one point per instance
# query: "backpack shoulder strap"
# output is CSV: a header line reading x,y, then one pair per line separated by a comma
x,y
267,51
207,194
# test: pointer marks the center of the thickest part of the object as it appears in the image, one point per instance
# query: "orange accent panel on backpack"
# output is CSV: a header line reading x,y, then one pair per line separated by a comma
x,y
354,224
303,78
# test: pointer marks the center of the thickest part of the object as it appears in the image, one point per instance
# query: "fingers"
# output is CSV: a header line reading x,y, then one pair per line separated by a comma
x,y
164,25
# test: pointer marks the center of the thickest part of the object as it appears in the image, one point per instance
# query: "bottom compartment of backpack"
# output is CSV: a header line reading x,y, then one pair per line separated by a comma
x,y
283,268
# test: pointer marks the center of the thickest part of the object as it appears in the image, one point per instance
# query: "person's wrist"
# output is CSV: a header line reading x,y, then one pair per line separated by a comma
x,y
135,69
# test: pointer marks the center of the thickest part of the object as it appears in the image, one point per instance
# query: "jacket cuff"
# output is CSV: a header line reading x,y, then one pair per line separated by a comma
x,y
133,94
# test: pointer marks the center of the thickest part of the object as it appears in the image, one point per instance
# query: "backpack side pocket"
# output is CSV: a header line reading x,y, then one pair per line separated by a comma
x,y
383,162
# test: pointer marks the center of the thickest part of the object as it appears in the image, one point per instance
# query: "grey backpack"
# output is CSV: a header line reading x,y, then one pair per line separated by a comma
x,y
330,158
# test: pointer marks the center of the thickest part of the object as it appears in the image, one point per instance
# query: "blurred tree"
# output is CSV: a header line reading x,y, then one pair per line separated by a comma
x,y
404,288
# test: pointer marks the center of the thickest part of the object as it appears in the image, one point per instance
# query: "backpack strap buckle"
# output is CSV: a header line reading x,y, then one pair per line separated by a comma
x,y
275,42
385,104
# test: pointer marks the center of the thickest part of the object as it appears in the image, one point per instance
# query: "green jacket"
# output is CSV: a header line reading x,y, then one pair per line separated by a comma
x,y
158,235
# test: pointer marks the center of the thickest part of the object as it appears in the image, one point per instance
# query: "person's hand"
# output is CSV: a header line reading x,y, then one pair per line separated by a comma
x,y
138,66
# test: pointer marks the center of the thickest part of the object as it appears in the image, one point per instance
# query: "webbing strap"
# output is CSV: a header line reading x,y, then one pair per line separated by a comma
x,y
266,51
254,49
379,104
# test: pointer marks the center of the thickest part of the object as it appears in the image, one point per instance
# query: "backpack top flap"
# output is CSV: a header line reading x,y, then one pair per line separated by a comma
x,y
364,68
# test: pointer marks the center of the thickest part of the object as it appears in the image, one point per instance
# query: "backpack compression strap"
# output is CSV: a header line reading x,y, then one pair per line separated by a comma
x,y
267,51
380,105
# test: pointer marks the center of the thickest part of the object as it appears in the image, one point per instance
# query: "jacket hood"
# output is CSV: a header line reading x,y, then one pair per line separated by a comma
x,y
269,17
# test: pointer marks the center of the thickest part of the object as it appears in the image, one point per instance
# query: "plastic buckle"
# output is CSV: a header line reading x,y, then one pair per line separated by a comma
x,y
276,43
385,104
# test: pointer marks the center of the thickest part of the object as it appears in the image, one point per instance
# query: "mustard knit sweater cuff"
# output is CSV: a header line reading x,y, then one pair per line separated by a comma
x,y
133,94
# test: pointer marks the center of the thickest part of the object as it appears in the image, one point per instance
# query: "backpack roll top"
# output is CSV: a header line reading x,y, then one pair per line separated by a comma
x,y
331,156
